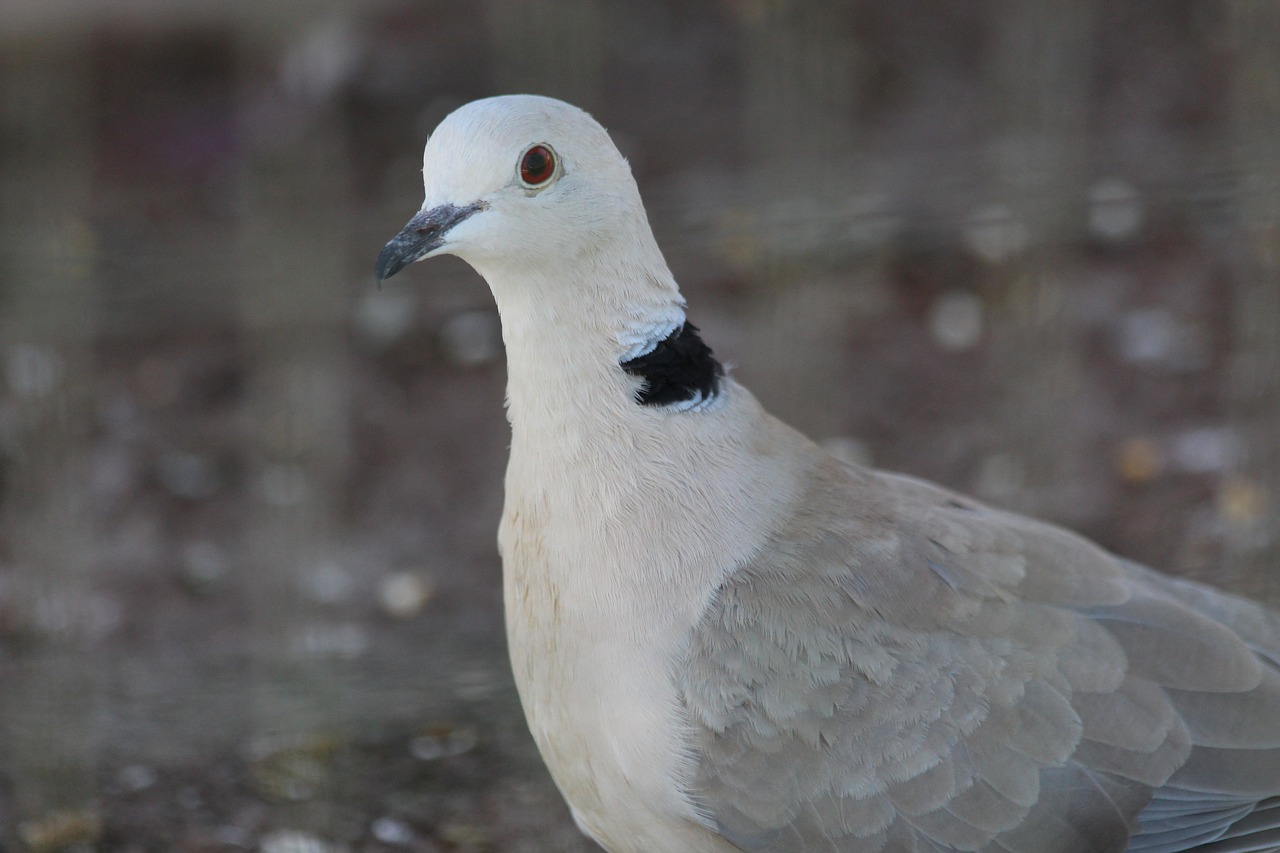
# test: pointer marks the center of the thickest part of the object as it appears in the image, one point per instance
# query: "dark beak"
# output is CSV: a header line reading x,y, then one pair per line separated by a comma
x,y
424,233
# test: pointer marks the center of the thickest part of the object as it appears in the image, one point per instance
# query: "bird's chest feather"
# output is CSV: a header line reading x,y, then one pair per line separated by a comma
x,y
598,697
548,666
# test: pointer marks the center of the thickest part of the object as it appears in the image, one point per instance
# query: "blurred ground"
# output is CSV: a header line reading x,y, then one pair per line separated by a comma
x,y
249,593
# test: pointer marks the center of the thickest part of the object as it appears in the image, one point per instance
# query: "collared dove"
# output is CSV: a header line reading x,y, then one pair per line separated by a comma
x,y
724,639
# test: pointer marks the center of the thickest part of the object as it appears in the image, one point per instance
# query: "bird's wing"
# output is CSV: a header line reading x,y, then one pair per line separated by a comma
x,y
899,668
1225,797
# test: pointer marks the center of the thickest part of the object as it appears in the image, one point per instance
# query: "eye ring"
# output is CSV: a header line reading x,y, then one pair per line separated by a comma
x,y
538,165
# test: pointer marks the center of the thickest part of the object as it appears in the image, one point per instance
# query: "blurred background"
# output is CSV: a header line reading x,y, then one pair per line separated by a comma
x,y
249,590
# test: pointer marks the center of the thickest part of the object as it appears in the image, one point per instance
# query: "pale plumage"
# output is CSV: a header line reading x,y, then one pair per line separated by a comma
x,y
725,640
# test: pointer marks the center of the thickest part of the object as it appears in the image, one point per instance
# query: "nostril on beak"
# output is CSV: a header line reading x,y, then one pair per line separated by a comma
x,y
423,234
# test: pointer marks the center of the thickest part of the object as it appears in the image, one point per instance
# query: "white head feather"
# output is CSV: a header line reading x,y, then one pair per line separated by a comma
x,y
584,228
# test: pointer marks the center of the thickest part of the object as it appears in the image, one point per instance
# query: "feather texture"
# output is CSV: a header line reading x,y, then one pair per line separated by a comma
x,y
997,683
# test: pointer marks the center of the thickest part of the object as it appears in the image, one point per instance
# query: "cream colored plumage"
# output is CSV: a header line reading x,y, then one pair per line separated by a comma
x,y
726,640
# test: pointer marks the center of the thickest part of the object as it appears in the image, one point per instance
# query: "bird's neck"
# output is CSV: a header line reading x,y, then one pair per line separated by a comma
x,y
568,334
655,494
611,499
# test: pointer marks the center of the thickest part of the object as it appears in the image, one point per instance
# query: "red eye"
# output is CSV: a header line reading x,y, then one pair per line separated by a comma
x,y
537,165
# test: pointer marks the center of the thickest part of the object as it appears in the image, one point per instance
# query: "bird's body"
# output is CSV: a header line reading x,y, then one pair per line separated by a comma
x,y
726,640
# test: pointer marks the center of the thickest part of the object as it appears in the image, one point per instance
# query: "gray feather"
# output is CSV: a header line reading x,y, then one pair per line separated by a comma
x,y
899,669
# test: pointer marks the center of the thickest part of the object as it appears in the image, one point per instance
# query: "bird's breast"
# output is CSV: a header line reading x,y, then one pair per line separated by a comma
x,y
596,689
615,533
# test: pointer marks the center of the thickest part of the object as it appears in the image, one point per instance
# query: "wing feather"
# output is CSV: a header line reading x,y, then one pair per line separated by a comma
x,y
901,669
1136,716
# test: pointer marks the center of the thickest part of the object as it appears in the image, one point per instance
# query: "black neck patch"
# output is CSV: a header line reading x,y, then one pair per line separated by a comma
x,y
680,369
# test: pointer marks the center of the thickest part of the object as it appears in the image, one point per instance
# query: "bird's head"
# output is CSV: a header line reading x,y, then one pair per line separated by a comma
x,y
517,181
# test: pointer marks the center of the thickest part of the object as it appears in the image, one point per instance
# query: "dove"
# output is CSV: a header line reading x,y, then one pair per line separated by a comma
x,y
724,639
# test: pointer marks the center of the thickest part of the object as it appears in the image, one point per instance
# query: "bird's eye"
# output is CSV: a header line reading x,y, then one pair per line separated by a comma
x,y
537,165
